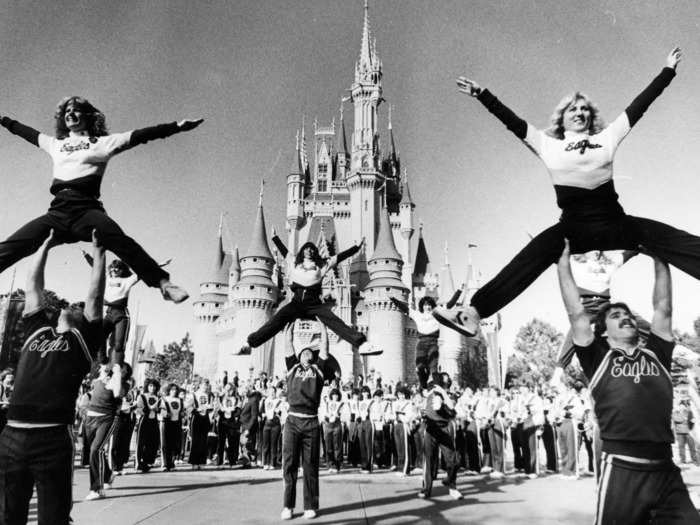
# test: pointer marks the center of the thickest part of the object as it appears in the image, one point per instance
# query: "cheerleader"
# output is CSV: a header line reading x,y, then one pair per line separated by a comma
x,y
100,422
147,429
271,428
353,424
366,431
121,438
171,415
201,405
333,431
249,426
306,285
305,378
229,425
80,152
402,431
578,151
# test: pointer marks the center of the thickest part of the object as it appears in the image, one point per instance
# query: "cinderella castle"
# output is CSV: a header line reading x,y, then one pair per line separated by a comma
x,y
347,191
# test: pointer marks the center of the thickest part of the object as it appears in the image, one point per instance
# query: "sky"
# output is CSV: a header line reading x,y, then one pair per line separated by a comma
x,y
253,69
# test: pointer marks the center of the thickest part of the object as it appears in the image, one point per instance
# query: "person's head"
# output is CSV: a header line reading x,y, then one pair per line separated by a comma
x,y
151,386
616,322
309,251
306,356
7,377
78,115
228,389
378,394
426,305
271,392
70,317
118,268
366,392
173,390
334,395
575,112
444,380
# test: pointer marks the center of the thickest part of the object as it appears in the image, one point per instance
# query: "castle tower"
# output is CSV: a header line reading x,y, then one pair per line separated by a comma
x,y
343,155
406,207
363,180
451,342
386,323
213,295
295,199
255,297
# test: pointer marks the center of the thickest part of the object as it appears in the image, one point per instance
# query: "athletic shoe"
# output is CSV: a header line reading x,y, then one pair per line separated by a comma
x,y
455,494
286,514
92,495
173,293
423,495
497,475
118,473
486,470
364,471
107,486
532,476
309,514
463,321
367,349
402,475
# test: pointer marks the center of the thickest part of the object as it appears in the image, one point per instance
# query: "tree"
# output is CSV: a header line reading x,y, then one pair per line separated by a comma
x,y
535,353
174,364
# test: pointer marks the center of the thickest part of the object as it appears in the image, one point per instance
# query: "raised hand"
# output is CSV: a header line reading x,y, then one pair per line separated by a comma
x,y
468,86
96,241
186,125
674,57
50,241
566,253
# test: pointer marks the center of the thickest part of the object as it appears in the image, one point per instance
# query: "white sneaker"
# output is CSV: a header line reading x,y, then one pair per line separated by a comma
x,y
455,494
92,495
107,486
497,475
286,514
368,349
173,293
532,476
466,321
309,514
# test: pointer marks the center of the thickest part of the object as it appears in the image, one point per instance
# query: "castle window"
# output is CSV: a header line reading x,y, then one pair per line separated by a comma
x,y
322,185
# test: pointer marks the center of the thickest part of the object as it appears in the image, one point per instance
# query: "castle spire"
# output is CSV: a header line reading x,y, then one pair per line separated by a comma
x,y
366,44
342,142
405,192
420,267
258,244
385,247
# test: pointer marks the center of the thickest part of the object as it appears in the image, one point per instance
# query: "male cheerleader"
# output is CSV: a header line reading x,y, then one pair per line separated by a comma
x,y
632,397
36,446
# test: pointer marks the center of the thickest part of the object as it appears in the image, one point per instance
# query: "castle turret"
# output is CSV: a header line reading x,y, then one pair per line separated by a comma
x,y
255,297
295,199
363,180
213,295
386,323
343,156
406,207
452,343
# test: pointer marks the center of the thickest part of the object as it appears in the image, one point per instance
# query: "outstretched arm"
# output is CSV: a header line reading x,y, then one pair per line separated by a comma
x,y
96,290
580,322
642,102
662,301
278,242
345,254
161,131
323,345
34,294
17,128
514,123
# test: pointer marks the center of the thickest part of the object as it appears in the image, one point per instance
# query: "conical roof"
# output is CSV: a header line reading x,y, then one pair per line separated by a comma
x,y
420,266
385,247
258,243
405,192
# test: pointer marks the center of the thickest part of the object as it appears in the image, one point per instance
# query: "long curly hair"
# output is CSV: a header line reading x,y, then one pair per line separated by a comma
x,y
96,122
315,256
556,129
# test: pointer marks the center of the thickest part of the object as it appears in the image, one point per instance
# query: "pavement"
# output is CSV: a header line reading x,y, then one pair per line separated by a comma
x,y
254,496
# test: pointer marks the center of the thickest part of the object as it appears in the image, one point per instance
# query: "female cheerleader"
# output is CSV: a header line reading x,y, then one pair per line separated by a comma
x,y
147,430
306,278
200,423
578,152
229,425
80,152
171,411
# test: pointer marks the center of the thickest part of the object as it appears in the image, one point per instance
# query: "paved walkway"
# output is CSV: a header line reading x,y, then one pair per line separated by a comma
x,y
254,496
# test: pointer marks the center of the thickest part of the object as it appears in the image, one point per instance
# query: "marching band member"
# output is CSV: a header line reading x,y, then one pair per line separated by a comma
x,y
147,431
229,425
171,415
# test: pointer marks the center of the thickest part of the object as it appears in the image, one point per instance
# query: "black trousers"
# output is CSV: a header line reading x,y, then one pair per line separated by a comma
x,y
147,443
404,447
270,436
171,436
635,493
73,216
308,309
229,440
115,326
333,434
472,446
550,449
121,440
439,439
98,431
301,441
41,456
427,356
353,438
366,444
676,247
497,439
199,431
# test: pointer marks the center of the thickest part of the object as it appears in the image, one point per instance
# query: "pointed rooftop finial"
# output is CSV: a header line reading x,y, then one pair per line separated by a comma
x,y
221,224
447,261
262,189
390,106
342,103
420,228
297,146
366,46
